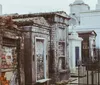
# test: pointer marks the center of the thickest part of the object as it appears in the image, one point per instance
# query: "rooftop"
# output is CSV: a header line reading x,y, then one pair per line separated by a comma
x,y
78,2
59,13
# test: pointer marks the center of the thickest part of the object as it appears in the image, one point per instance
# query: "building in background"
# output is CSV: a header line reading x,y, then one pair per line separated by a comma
x,y
76,8
89,20
86,23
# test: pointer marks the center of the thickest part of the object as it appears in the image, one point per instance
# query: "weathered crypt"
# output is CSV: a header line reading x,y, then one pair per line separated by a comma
x,y
45,46
9,51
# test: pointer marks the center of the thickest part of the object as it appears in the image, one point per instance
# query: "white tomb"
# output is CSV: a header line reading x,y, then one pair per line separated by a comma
x,y
74,51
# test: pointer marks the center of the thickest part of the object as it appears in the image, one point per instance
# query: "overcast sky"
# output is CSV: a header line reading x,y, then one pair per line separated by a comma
x,y
34,6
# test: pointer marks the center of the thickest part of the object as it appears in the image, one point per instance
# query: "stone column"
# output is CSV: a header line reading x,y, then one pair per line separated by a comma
x,y
21,60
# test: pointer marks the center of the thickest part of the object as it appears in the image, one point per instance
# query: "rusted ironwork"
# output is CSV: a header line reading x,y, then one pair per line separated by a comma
x,y
92,71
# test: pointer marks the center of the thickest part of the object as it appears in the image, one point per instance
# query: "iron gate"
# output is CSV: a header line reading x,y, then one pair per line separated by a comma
x,y
89,73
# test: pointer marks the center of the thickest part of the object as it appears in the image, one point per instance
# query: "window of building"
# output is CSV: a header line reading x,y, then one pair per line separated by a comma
x,y
61,55
9,58
61,63
61,34
61,20
40,59
62,48
85,45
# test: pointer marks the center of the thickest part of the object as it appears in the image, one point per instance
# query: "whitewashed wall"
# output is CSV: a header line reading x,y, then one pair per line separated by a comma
x,y
90,21
78,8
74,41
